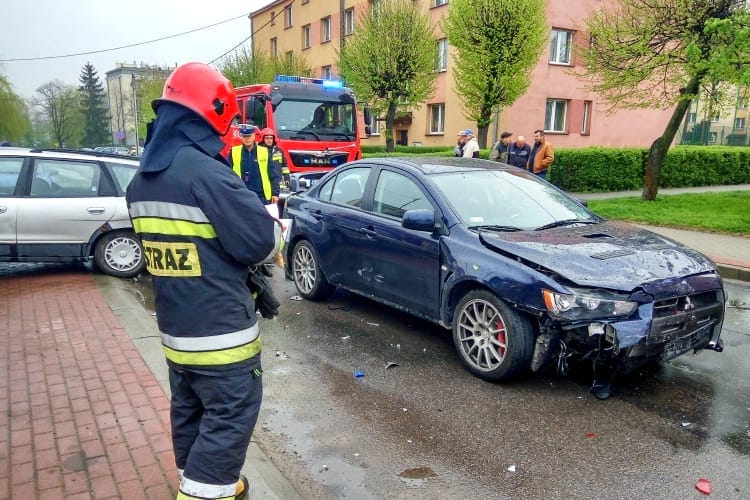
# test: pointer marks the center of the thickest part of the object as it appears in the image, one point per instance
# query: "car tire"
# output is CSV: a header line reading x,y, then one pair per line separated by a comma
x,y
119,254
493,341
306,273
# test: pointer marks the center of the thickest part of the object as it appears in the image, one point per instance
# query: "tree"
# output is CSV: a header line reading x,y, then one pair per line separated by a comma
x,y
498,44
243,68
94,108
59,106
390,60
148,88
658,53
14,116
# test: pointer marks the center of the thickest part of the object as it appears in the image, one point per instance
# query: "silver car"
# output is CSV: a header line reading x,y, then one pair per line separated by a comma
x,y
62,205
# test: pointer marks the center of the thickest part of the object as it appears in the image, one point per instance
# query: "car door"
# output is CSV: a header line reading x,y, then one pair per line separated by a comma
x,y
340,217
67,202
400,265
10,172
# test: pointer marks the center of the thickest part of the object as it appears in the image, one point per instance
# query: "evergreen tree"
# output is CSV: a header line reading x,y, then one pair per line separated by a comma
x,y
94,108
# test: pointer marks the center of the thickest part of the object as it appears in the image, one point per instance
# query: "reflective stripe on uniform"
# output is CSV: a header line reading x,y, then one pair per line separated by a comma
x,y
173,227
164,210
195,490
212,342
261,153
213,358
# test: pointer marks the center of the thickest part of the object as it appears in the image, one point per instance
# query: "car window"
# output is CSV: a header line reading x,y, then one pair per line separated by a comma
x,y
123,173
349,186
10,168
60,178
324,193
396,193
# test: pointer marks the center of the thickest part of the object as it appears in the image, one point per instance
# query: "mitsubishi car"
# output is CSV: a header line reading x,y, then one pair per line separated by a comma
x,y
65,206
524,276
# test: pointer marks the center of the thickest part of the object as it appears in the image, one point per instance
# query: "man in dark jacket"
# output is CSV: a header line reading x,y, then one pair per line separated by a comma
x,y
200,229
518,152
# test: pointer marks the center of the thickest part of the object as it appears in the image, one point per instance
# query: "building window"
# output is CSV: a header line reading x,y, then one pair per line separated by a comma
x,y
273,18
715,118
560,45
288,16
586,123
692,117
375,126
438,3
349,21
554,117
274,47
437,118
306,36
325,72
289,57
739,123
325,29
712,136
442,62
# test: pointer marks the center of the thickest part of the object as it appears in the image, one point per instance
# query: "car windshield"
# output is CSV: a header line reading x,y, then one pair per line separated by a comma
x,y
315,120
507,200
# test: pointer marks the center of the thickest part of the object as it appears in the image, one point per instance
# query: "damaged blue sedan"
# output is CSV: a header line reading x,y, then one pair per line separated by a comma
x,y
526,277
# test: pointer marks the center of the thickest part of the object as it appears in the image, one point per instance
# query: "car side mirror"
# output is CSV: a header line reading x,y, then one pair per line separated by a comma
x,y
419,219
367,115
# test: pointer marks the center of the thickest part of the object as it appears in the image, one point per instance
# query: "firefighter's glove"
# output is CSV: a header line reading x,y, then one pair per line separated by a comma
x,y
265,301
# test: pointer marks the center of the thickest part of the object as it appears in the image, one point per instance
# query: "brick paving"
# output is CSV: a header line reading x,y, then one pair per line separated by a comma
x,y
81,415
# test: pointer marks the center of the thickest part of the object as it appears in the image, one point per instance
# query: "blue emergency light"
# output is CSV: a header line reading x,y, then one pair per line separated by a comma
x,y
329,84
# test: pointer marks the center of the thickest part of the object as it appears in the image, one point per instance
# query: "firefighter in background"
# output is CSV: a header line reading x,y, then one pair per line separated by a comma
x,y
201,229
256,166
268,138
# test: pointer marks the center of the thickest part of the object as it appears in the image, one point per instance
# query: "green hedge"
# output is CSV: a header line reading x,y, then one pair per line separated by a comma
x,y
621,169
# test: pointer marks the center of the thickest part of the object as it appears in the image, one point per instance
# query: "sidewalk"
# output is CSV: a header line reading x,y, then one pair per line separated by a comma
x,y
730,253
84,407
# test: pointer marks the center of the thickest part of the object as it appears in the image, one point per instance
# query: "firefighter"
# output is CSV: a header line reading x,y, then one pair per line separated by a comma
x,y
256,166
268,138
201,229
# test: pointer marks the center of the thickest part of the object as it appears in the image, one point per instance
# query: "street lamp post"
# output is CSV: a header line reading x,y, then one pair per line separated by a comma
x,y
135,110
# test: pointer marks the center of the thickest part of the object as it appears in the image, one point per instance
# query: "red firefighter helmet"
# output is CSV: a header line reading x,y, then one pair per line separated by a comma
x,y
267,131
201,88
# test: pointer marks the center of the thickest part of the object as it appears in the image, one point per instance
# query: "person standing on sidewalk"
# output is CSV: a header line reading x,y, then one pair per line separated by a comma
x,y
542,155
268,138
256,166
499,151
471,146
201,228
518,153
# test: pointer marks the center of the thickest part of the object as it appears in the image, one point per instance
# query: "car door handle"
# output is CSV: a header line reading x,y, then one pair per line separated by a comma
x,y
317,214
95,210
3,210
368,231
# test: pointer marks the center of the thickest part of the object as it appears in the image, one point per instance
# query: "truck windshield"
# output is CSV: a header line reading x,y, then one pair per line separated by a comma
x,y
315,120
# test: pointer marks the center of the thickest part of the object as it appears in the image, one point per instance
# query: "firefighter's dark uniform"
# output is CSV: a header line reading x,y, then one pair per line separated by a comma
x,y
258,170
201,228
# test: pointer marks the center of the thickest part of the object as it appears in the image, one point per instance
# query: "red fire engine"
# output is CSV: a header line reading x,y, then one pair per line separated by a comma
x,y
315,120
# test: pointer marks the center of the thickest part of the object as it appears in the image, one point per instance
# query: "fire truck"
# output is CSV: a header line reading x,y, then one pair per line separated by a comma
x,y
315,120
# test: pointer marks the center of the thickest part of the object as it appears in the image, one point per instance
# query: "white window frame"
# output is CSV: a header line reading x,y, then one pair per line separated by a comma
x,y
375,126
586,122
715,118
349,21
692,117
438,108
274,47
442,62
739,123
325,72
288,16
325,29
306,37
551,118
713,137
558,37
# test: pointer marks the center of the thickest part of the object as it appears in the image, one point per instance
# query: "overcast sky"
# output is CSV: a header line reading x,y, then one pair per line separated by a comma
x,y
44,28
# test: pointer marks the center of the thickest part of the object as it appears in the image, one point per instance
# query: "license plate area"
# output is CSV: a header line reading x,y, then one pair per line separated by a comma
x,y
680,346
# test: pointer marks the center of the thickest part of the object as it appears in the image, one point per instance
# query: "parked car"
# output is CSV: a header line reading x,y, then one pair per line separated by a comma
x,y
66,205
526,277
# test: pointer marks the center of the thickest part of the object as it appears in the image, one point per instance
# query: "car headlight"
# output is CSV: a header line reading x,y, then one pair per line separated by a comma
x,y
586,305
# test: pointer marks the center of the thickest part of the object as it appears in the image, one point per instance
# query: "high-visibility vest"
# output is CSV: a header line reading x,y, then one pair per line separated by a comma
x,y
262,155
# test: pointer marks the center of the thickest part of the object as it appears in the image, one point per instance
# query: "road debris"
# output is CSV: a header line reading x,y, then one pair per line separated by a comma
x,y
359,373
373,324
295,297
704,486
346,338
512,468
390,364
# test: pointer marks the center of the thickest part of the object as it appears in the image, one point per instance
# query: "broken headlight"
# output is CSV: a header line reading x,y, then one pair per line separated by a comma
x,y
588,304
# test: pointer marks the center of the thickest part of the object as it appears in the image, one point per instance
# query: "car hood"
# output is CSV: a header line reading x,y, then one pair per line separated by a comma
x,y
611,255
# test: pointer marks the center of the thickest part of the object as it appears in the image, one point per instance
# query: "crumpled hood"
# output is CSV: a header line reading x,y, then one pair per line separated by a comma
x,y
611,255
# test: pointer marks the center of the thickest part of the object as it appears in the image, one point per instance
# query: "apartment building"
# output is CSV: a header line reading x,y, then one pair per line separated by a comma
x,y
725,126
556,100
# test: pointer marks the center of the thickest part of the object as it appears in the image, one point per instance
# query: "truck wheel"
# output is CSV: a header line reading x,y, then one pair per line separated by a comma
x,y
494,341
119,254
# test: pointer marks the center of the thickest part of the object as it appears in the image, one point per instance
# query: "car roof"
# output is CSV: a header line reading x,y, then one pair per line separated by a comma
x,y
436,164
69,154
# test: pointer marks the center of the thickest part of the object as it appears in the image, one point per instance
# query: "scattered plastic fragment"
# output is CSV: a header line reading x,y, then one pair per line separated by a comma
x,y
153,314
373,324
359,373
408,440
590,435
405,410
281,354
686,424
512,468
356,454
704,486
390,364
325,467
344,338
295,297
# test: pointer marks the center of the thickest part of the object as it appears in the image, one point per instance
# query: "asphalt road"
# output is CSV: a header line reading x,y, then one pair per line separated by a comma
x,y
426,428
